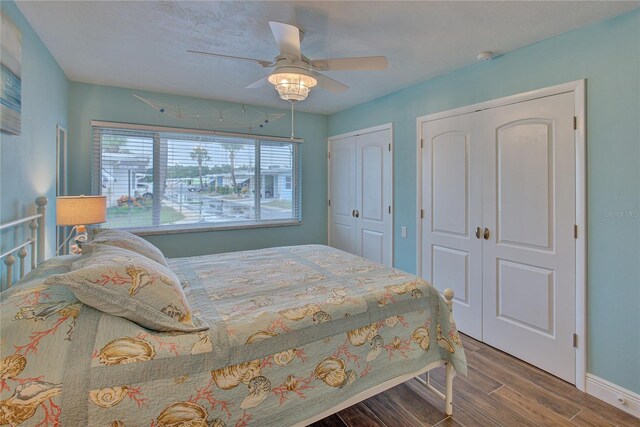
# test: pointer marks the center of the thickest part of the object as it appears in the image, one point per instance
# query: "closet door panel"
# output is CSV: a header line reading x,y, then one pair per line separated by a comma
x,y
529,210
452,204
372,181
524,155
451,267
372,245
450,183
342,222
373,196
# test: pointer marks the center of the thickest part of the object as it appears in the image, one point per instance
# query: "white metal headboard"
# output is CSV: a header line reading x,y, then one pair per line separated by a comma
x,y
36,241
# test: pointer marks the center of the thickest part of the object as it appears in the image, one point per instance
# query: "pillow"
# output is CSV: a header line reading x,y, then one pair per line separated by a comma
x,y
126,284
126,240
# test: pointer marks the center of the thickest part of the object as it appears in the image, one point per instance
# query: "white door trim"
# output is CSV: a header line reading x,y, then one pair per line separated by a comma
x,y
386,126
362,131
62,178
578,87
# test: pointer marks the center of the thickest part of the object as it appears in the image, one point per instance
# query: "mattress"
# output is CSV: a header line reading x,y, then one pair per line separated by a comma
x,y
293,331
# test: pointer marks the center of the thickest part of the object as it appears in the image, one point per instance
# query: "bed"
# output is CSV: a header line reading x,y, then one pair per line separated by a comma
x,y
294,334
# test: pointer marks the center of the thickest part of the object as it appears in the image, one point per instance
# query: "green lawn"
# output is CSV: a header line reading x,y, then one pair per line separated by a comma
x,y
135,216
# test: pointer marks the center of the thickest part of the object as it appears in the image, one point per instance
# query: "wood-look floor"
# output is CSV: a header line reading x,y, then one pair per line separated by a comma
x,y
499,390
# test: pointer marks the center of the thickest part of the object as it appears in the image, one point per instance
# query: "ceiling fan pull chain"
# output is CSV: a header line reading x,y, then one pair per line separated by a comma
x,y
292,135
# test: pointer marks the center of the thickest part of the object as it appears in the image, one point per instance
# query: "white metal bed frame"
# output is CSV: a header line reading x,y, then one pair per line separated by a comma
x,y
447,396
36,241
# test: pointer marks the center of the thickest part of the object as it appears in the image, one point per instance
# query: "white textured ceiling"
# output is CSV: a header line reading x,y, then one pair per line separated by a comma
x,y
142,45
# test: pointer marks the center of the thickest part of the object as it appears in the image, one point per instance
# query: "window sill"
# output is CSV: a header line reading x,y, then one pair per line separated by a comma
x,y
200,228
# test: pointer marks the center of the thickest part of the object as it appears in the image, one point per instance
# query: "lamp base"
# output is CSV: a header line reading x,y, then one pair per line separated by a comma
x,y
80,237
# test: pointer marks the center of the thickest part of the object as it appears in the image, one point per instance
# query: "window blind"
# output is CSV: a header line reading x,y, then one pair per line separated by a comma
x,y
177,179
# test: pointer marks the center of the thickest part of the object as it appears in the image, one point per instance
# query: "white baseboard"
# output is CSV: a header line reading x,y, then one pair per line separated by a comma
x,y
613,394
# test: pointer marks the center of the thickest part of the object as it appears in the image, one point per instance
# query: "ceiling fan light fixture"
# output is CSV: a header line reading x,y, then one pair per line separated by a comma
x,y
292,86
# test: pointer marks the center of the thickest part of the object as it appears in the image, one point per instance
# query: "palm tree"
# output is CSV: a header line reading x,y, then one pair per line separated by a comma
x,y
232,149
200,155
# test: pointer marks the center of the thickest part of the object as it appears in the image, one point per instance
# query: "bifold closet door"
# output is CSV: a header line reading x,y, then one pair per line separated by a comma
x,y
529,211
360,194
373,196
342,194
452,204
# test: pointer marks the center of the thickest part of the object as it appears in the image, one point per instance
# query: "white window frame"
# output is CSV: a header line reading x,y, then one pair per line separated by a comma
x,y
296,180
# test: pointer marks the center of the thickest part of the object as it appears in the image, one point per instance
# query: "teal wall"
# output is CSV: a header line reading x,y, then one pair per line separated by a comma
x,y
28,161
607,54
92,102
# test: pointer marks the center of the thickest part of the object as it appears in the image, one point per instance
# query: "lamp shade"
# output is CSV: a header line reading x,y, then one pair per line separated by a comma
x,y
81,210
292,83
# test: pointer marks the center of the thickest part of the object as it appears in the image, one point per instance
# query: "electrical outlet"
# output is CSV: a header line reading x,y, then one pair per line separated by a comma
x,y
404,232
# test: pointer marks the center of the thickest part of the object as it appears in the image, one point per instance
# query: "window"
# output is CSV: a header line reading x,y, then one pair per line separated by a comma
x,y
176,179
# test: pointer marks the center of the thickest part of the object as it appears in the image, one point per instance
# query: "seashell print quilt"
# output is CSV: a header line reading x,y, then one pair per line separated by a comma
x,y
293,331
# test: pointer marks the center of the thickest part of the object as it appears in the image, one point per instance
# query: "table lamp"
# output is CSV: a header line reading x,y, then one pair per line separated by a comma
x,y
79,211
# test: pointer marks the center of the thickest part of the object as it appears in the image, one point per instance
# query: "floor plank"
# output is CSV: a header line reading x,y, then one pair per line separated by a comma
x,y
449,422
529,408
405,397
330,421
557,386
360,416
463,412
495,410
474,376
499,391
587,418
390,413
542,396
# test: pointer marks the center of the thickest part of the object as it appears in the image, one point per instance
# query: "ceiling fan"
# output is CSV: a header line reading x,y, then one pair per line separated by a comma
x,y
294,74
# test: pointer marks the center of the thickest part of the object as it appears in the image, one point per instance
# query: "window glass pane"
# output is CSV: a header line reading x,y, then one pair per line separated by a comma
x,y
126,165
276,174
173,179
209,181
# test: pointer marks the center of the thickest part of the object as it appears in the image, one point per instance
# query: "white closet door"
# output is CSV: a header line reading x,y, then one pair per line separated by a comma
x,y
452,203
374,182
342,193
529,210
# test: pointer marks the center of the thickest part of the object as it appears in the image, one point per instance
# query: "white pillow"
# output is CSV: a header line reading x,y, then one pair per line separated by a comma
x,y
126,284
126,240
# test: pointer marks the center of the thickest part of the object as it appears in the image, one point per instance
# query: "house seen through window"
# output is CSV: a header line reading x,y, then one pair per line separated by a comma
x,y
179,179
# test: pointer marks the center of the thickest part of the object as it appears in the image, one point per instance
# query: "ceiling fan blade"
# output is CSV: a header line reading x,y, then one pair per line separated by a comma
x,y
260,83
287,37
329,84
365,63
265,64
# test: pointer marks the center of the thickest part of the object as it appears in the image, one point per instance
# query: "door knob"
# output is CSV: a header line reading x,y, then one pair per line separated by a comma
x,y
353,213
486,233
478,231
357,213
